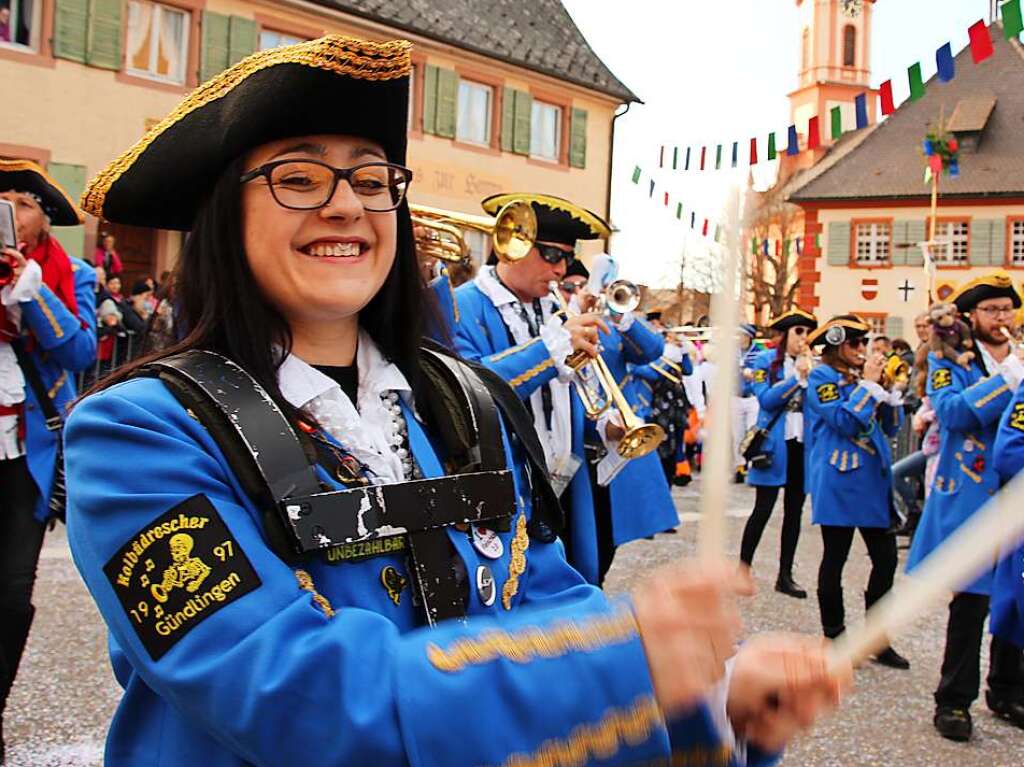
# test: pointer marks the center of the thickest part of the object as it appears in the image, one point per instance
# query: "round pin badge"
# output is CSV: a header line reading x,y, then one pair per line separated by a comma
x,y
968,446
485,585
487,542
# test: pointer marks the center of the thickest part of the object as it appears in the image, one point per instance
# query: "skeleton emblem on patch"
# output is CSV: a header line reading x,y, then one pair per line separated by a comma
x,y
186,571
393,582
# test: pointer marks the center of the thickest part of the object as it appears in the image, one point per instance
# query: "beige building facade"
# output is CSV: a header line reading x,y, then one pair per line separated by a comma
x,y
85,79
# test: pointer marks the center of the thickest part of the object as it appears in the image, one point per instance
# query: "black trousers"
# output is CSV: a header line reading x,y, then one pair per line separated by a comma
x,y
837,540
792,509
602,521
961,672
21,540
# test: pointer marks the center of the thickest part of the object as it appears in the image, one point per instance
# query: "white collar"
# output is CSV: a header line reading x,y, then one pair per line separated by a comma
x,y
489,284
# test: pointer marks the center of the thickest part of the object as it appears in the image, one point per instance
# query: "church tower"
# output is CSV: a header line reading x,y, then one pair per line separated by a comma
x,y
835,64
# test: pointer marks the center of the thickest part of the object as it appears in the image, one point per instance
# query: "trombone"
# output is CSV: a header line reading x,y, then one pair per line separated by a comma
x,y
513,231
640,438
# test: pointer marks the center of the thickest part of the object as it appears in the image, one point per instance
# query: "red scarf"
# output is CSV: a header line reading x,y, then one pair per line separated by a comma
x,y
57,276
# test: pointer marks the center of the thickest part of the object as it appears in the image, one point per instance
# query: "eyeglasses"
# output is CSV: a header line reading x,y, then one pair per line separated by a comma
x,y
857,342
993,311
310,184
569,286
553,254
801,330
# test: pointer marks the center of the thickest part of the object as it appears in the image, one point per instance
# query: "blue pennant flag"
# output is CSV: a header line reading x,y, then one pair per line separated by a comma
x,y
687,166
652,188
735,153
944,61
794,142
693,220
862,110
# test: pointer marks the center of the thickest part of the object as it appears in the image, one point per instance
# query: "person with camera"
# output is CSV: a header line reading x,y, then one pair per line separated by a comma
x,y
969,403
851,419
47,333
776,450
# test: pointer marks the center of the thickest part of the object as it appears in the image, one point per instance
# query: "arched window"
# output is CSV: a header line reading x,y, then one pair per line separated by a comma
x,y
805,49
850,46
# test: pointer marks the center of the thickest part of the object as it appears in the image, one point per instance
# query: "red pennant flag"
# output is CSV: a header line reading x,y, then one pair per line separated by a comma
x,y
666,199
703,156
813,133
778,247
705,230
753,151
981,42
885,93
935,162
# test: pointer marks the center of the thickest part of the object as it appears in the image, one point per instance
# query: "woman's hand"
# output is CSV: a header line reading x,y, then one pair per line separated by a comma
x,y
583,330
689,625
873,367
780,685
802,366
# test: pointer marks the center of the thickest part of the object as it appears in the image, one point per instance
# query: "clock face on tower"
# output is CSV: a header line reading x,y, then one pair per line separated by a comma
x,y
852,8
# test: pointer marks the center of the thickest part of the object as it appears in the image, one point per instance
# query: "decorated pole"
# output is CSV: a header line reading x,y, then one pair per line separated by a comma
x,y
941,149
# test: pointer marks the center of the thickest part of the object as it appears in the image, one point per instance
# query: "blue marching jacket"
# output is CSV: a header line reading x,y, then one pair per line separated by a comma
x,y
774,394
851,482
441,288
640,386
640,497
968,406
481,336
64,343
329,665
1007,618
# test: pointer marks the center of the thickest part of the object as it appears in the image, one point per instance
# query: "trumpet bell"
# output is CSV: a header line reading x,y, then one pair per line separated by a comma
x,y
515,231
641,440
622,296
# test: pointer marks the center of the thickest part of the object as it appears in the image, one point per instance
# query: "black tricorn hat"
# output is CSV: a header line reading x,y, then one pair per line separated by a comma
x,y
332,85
558,220
26,176
993,285
792,319
577,269
845,327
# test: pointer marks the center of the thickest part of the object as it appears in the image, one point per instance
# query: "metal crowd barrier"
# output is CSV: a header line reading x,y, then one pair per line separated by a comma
x,y
127,346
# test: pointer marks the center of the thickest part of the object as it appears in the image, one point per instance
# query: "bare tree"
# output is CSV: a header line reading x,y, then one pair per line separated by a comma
x,y
772,276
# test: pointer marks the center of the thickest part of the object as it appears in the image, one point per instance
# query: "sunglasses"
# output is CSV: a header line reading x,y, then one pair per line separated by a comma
x,y
858,342
569,286
552,254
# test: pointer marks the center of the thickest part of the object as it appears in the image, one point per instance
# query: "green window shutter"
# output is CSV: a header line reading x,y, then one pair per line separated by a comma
x,y
241,39
898,255
72,180
70,23
447,102
980,252
523,118
103,43
578,139
894,327
430,99
838,244
508,118
216,45
999,257
916,232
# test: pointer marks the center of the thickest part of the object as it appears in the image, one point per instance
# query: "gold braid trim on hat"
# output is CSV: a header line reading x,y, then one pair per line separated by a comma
x,y
15,166
596,224
350,56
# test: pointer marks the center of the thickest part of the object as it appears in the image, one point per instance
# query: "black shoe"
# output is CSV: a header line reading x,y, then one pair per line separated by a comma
x,y
889,657
953,723
786,585
1010,709
739,478
670,531
682,481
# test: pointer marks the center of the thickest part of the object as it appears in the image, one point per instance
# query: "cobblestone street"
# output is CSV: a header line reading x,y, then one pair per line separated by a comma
x,y
65,693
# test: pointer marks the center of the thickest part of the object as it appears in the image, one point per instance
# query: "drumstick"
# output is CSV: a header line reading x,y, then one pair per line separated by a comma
x,y
997,528
718,452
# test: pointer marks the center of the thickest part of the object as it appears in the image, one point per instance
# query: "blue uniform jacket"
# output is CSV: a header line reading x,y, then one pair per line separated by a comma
x,y
640,497
774,393
1007,618
640,386
328,665
63,345
968,406
446,308
851,483
482,337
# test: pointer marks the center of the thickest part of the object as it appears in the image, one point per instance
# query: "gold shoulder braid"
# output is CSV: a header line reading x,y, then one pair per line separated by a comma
x,y
343,55
517,562
306,584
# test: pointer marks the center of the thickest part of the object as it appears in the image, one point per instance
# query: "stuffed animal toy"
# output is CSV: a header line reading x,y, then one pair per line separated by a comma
x,y
950,338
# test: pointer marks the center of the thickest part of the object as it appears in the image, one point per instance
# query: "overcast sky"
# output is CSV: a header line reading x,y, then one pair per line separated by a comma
x,y
718,71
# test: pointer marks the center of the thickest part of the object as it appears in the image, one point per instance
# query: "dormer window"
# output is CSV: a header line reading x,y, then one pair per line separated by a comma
x,y
969,120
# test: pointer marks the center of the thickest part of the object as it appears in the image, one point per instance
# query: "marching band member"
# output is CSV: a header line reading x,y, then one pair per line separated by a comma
x,y
511,324
744,404
779,382
968,404
47,333
851,420
238,637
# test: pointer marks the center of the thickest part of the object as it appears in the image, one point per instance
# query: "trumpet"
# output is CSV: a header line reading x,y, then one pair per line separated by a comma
x,y
513,231
621,297
599,391
692,332
896,372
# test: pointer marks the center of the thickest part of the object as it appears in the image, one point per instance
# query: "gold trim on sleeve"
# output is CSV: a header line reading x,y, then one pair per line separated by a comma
x,y
56,386
991,396
517,563
44,307
536,370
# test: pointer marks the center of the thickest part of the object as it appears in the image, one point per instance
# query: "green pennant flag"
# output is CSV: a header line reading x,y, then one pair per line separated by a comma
x,y
916,82
679,210
675,158
636,175
753,246
837,123
718,158
1013,20
785,248
817,241
718,233
772,154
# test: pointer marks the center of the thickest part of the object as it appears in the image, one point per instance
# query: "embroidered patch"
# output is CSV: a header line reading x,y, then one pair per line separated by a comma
x,y
357,552
393,582
1017,417
828,392
941,378
760,376
177,571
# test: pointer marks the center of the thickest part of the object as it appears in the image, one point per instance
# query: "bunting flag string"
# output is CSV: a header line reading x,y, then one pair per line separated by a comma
x,y
981,47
